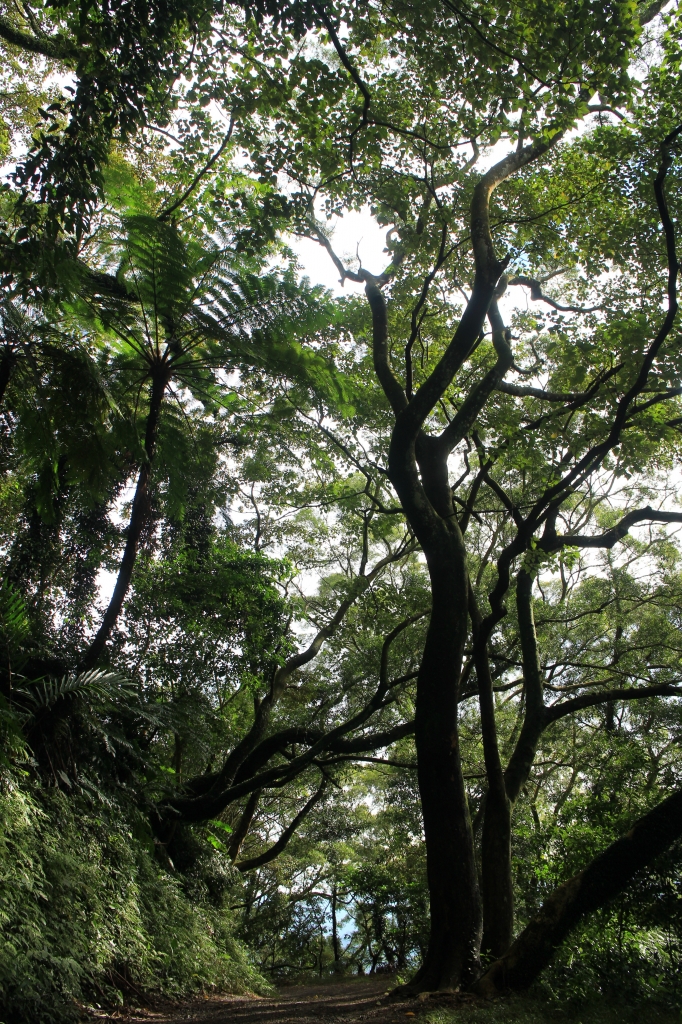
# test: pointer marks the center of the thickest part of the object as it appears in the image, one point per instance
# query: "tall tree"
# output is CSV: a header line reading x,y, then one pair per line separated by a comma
x,y
397,106
514,87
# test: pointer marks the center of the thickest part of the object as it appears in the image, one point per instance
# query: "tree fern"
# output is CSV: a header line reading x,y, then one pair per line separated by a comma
x,y
43,694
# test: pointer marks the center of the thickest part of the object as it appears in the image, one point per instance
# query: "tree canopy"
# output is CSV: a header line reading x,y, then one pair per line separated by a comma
x,y
354,618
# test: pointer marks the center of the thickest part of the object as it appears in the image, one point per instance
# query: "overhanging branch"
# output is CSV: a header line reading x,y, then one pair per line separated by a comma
x,y
554,542
55,47
624,693
280,845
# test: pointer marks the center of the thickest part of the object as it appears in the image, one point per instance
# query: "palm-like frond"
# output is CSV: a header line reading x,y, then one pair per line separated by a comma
x,y
43,694
199,305
160,267
14,622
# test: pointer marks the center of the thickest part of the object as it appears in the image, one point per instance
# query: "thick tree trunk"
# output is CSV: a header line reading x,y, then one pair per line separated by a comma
x,y
496,875
606,876
452,959
138,518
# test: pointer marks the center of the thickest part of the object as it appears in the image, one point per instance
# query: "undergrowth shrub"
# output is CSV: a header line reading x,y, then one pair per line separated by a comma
x,y
526,1010
88,915
602,961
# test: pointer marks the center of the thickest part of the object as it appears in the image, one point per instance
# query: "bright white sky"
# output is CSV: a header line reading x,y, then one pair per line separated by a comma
x,y
356,232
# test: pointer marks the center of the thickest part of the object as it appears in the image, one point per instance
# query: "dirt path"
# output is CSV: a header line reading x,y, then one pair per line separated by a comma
x,y
353,1001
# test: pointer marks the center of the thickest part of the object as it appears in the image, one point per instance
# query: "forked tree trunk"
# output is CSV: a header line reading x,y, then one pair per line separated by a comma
x,y
606,876
452,958
418,470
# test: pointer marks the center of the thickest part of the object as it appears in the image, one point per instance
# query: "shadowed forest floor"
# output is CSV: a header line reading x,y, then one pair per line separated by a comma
x,y
357,1000
342,1002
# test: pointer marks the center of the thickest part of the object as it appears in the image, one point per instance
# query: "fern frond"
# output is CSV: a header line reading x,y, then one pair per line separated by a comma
x,y
44,693
14,621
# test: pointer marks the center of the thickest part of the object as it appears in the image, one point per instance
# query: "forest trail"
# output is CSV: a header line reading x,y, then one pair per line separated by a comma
x,y
345,1002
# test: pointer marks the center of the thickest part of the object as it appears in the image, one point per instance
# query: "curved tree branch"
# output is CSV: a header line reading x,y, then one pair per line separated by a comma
x,y
589,700
165,214
244,824
524,391
283,674
207,797
488,271
280,845
466,416
537,295
213,801
610,538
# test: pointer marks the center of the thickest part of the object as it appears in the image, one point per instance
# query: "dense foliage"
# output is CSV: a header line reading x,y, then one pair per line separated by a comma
x,y
339,633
